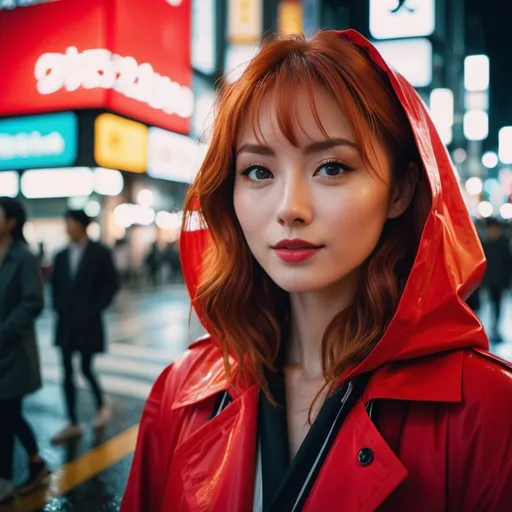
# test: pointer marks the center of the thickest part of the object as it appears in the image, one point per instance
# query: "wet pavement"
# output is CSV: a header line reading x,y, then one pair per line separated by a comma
x,y
147,330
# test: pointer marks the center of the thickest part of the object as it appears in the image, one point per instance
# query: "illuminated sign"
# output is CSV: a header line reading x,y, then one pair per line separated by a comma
x,y
100,69
204,37
402,18
245,23
412,58
173,157
290,17
38,141
9,184
237,58
120,143
131,57
50,183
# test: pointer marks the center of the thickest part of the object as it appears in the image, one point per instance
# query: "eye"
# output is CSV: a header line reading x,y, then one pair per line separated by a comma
x,y
256,173
332,169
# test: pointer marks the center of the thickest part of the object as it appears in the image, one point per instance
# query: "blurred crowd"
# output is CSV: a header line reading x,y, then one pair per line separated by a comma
x,y
496,238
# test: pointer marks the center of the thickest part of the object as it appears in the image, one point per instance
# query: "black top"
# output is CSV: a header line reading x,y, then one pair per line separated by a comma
x,y
286,486
79,299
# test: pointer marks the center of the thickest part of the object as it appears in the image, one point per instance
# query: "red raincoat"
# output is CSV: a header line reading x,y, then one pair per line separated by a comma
x,y
444,441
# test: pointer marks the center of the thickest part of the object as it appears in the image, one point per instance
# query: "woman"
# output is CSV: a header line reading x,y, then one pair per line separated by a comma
x,y
21,301
343,370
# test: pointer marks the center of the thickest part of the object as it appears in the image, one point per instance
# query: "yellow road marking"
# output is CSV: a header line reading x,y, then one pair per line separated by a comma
x,y
72,474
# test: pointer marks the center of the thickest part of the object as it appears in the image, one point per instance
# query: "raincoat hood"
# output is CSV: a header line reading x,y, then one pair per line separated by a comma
x,y
432,316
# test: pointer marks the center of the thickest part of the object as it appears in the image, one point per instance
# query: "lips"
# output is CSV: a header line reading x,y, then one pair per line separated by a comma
x,y
295,251
295,244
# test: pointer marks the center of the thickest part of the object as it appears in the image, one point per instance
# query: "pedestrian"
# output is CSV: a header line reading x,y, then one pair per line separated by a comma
x,y
123,260
21,301
498,274
328,252
153,262
84,282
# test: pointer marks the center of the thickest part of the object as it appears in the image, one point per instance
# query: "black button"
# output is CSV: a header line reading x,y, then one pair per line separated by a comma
x,y
365,456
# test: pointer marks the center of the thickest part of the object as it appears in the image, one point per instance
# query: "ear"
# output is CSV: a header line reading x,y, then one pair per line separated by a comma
x,y
404,192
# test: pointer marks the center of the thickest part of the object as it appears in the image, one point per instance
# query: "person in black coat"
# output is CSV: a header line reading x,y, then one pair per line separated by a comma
x,y
84,283
498,274
21,301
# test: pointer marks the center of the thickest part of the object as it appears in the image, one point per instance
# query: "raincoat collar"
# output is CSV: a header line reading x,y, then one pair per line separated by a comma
x,y
432,321
436,378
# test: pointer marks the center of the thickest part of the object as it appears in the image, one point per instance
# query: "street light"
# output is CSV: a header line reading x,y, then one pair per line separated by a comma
x,y
490,159
476,125
441,111
474,186
505,144
506,211
485,209
476,73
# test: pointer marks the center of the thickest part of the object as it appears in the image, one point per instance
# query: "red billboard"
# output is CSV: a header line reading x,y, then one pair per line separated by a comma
x,y
129,56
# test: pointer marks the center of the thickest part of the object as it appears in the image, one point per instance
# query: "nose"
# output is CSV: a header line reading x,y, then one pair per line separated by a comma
x,y
295,206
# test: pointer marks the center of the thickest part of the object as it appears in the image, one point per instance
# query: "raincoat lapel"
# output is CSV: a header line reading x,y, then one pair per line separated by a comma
x,y
219,457
345,480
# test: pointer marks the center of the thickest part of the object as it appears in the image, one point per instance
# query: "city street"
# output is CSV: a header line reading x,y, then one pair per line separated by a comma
x,y
147,330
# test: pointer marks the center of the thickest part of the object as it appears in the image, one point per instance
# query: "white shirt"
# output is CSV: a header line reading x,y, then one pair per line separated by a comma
x,y
258,483
76,253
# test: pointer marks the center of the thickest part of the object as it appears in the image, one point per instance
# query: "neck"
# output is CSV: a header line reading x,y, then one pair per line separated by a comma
x,y
81,241
5,243
311,313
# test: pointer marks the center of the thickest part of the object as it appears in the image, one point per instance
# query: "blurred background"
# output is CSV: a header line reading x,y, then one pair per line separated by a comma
x,y
106,106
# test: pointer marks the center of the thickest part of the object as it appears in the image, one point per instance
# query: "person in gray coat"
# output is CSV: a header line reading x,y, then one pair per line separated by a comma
x,y
21,301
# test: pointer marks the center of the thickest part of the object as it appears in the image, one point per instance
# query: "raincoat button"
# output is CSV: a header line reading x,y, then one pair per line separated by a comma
x,y
365,456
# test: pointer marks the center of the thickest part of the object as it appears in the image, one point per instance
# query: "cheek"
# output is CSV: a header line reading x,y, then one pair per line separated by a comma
x,y
361,200
358,216
245,212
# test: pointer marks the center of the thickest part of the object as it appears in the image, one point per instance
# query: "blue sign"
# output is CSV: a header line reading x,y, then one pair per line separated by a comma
x,y
49,140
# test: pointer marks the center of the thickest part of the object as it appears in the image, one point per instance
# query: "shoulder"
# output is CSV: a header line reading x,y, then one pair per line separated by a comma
x,y
479,435
24,255
485,413
196,374
61,254
486,378
98,247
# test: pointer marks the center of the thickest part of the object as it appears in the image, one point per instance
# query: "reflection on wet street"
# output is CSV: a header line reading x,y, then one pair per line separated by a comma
x,y
147,330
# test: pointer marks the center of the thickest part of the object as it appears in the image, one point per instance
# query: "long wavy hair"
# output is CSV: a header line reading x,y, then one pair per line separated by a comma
x,y
245,311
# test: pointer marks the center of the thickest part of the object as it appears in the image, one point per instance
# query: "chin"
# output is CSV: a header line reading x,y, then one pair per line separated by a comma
x,y
296,283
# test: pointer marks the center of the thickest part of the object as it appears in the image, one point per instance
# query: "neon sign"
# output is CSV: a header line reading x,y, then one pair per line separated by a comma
x,y
100,68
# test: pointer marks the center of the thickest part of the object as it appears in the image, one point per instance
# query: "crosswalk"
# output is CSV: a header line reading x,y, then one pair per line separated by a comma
x,y
146,332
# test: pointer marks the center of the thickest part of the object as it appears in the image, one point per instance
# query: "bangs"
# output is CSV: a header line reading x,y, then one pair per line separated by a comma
x,y
284,88
283,72
297,73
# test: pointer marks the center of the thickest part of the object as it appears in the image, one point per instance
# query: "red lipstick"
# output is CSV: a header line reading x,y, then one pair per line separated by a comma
x,y
295,250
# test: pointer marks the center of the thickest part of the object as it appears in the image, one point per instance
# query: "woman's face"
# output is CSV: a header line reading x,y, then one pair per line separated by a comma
x,y
311,214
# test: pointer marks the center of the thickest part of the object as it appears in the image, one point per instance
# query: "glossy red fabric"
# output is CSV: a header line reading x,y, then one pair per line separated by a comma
x,y
444,436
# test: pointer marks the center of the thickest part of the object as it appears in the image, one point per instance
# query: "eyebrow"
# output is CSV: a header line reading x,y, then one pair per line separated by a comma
x,y
313,147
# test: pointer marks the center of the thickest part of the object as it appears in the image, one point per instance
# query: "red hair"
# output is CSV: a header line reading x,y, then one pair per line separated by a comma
x,y
245,311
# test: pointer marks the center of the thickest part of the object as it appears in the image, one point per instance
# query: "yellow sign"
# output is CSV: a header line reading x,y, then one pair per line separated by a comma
x,y
290,18
120,143
245,23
